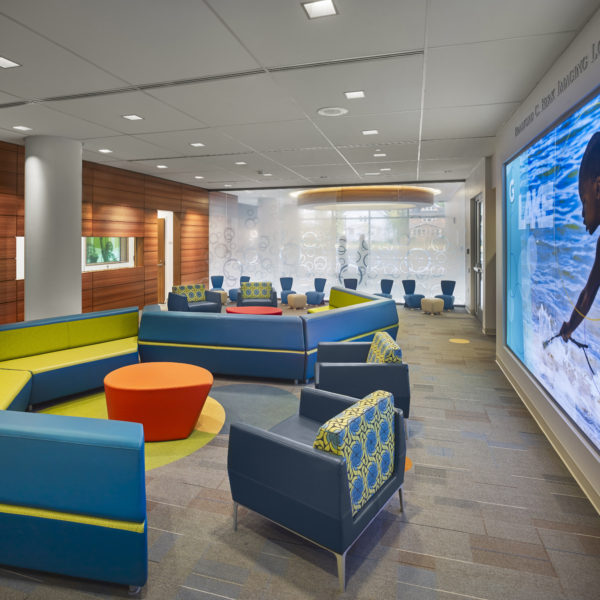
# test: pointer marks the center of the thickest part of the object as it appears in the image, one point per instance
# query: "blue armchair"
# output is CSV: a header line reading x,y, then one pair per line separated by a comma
x,y
342,368
386,288
286,288
351,283
212,303
257,293
279,474
317,296
217,283
233,293
411,300
446,295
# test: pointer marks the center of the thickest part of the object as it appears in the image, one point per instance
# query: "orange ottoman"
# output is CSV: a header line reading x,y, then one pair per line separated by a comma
x,y
166,398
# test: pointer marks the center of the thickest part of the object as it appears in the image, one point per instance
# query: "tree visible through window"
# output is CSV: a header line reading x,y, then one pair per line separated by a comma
x,y
104,250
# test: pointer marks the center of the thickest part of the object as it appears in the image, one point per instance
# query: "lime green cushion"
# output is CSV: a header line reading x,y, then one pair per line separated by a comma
x,y
260,290
340,298
24,341
319,309
384,349
364,435
11,383
194,292
102,329
60,359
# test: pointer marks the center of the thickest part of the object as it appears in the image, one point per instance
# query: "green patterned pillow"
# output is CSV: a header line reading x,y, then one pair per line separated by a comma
x,y
364,435
384,349
259,290
194,293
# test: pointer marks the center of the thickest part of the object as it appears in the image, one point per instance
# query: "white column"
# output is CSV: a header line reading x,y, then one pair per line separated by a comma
x,y
53,193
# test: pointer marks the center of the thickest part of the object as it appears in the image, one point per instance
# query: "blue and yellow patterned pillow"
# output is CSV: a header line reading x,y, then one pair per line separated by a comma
x,y
364,435
194,293
384,349
259,290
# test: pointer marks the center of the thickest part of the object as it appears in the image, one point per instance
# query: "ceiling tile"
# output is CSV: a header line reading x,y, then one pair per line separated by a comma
x,y
279,33
463,148
179,142
251,99
124,147
309,156
138,41
393,152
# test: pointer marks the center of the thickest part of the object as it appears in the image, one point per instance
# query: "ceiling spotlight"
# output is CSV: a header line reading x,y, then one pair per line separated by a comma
x,y
22,128
133,117
198,177
379,154
197,144
321,8
241,162
105,151
378,173
385,169
332,111
354,95
370,131
5,63
227,185
267,174
161,166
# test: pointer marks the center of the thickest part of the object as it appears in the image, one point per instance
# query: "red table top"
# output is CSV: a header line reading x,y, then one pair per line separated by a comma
x,y
157,375
253,310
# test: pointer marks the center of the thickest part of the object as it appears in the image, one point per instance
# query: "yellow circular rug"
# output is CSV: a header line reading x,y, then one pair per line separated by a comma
x,y
458,341
157,453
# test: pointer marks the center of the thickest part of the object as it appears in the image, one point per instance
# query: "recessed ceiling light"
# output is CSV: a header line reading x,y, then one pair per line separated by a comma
x,y
5,63
105,150
241,162
133,117
332,111
22,128
373,173
267,174
385,169
370,131
378,154
227,185
198,177
354,95
320,8
197,144
161,166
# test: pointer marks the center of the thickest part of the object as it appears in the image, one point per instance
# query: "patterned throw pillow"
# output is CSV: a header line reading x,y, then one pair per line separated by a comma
x,y
259,290
364,435
194,293
384,349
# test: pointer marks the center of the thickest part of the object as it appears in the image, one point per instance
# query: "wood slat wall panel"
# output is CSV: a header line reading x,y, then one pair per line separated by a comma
x,y
155,186
8,312
163,203
105,195
117,179
117,229
195,253
8,247
87,193
20,226
8,225
151,272
8,291
8,269
86,281
20,299
20,171
111,212
8,183
112,277
8,204
150,244
118,296
86,228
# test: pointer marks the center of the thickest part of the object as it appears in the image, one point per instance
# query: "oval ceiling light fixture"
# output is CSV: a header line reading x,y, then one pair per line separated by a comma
x,y
332,111
366,197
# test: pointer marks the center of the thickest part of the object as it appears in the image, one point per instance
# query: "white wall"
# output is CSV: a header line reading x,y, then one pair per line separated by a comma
x,y
528,122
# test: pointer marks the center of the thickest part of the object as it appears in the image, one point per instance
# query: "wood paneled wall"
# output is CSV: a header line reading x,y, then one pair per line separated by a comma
x,y
119,203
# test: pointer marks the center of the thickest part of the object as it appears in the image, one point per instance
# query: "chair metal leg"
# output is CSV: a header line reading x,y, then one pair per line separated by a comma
x,y
235,515
401,497
341,569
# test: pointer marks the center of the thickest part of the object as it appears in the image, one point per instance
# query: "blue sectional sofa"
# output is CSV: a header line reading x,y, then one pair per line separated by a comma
x,y
282,347
72,499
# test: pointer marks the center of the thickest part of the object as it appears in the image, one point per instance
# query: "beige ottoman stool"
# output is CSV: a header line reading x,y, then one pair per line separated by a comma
x,y
224,296
297,300
432,306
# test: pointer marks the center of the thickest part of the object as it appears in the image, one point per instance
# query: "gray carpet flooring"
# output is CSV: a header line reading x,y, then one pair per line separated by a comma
x,y
491,511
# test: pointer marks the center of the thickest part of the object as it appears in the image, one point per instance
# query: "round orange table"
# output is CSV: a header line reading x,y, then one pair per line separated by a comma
x,y
165,397
253,310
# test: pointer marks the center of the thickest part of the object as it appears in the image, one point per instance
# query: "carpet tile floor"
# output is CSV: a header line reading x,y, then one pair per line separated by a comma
x,y
491,511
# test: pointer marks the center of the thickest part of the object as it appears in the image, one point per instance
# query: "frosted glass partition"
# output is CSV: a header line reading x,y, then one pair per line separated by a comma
x,y
266,235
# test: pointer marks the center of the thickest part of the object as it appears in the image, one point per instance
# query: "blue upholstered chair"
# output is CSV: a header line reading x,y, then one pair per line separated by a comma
x,y
286,288
446,295
342,368
284,475
411,300
212,303
233,293
217,283
248,295
351,283
386,288
317,295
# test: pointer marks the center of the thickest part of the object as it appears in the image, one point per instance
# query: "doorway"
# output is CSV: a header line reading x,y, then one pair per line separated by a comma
x,y
477,255
164,261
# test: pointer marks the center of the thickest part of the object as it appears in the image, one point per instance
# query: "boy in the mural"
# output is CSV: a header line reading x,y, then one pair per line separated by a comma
x,y
589,192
